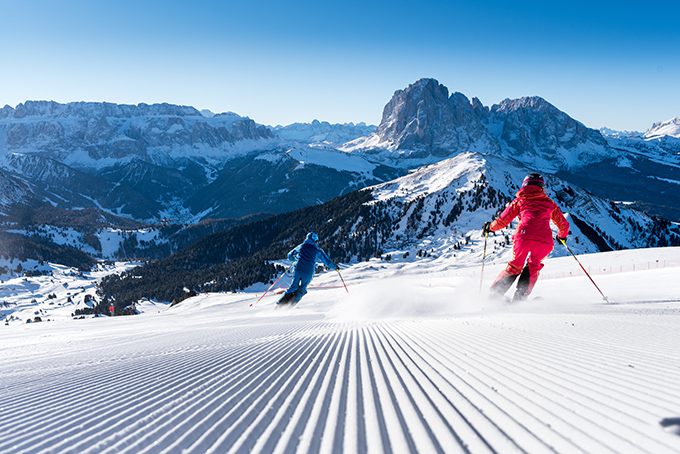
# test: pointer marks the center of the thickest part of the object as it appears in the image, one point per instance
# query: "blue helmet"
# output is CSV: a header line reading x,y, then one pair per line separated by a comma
x,y
313,236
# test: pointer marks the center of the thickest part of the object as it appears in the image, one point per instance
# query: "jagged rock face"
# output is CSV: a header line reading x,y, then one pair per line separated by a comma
x,y
94,109
533,126
133,160
105,130
425,119
158,161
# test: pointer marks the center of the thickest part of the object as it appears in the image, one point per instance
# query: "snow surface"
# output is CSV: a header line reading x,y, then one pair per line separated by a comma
x,y
413,359
333,159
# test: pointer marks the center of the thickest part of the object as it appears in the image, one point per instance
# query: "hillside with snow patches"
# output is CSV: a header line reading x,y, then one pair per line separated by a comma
x,y
441,205
435,211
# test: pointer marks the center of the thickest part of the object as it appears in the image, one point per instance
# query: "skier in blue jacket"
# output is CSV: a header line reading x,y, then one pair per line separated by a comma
x,y
305,257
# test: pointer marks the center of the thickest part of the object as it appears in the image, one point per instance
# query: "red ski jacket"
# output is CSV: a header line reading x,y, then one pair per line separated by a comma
x,y
535,211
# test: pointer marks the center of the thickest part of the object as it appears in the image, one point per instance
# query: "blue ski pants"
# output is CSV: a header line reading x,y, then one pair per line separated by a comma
x,y
299,284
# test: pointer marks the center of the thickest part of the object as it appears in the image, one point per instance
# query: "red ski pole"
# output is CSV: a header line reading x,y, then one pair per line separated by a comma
x,y
481,278
343,281
270,287
584,270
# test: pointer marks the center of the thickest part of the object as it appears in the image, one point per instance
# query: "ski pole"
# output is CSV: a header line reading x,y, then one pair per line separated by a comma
x,y
584,270
270,287
343,281
486,235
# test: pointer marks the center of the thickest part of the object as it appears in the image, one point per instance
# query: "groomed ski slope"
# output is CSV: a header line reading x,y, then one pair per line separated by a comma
x,y
413,359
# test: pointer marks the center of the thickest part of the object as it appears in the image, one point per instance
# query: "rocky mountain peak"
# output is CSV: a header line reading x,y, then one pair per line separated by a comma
x,y
533,127
423,124
411,111
428,124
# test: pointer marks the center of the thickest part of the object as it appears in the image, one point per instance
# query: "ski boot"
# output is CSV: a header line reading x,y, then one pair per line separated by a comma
x,y
287,298
519,296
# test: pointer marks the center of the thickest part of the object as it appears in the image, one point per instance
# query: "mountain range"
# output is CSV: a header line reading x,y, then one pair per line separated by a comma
x,y
145,163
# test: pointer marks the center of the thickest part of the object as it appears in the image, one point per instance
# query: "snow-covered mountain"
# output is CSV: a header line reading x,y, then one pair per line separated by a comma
x,y
85,134
534,132
440,206
423,124
162,161
664,128
608,132
646,172
322,132
165,161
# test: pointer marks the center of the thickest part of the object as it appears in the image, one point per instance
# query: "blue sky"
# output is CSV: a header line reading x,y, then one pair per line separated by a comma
x,y
278,62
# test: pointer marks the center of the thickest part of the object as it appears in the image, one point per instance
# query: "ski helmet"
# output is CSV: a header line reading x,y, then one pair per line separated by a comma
x,y
535,179
313,236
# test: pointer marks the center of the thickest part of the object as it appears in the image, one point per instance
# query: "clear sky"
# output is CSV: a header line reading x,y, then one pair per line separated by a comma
x,y
614,64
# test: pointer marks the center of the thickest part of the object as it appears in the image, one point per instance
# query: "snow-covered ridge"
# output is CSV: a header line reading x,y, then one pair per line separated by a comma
x,y
51,109
460,194
607,132
91,132
664,128
333,159
323,132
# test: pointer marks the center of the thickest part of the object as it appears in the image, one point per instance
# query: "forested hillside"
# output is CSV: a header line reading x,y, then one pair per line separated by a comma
x,y
439,207
239,257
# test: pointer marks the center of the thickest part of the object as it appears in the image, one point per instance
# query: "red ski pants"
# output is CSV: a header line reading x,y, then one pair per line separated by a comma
x,y
536,251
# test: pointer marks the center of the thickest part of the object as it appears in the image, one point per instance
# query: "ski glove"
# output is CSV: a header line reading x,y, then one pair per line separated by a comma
x,y
560,239
487,227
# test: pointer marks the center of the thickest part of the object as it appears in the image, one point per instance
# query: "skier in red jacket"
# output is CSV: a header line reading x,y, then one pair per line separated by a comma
x,y
532,239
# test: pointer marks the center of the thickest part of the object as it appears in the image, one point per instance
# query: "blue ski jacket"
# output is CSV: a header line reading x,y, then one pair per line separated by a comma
x,y
306,255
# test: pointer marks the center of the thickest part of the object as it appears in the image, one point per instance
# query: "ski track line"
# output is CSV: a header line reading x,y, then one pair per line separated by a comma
x,y
312,372
498,415
225,417
585,355
544,420
111,397
575,392
433,411
119,399
632,347
586,403
569,370
246,385
618,386
409,418
468,385
198,410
